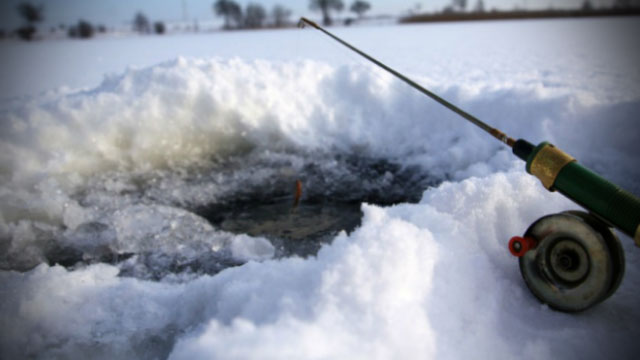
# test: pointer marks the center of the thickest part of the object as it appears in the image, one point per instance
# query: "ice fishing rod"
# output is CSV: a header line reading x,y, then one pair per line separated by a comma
x,y
571,260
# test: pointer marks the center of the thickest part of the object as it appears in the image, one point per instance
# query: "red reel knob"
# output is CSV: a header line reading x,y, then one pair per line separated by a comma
x,y
518,246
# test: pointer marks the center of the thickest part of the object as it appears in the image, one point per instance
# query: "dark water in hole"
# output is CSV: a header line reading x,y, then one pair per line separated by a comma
x,y
293,231
330,203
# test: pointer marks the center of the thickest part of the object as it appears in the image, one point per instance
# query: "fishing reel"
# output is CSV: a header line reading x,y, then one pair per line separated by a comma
x,y
573,260
570,261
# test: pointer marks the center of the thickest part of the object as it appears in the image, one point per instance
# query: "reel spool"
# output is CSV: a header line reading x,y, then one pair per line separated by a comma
x,y
570,261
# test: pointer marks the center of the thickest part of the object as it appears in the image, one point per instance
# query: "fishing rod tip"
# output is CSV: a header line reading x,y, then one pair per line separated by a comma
x,y
304,21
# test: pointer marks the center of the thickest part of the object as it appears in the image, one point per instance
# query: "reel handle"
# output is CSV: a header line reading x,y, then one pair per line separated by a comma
x,y
559,171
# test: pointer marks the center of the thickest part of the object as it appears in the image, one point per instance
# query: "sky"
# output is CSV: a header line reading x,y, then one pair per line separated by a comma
x,y
121,12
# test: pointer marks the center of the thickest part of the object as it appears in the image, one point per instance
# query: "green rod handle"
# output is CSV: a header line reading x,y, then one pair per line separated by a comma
x,y
559,171
609,201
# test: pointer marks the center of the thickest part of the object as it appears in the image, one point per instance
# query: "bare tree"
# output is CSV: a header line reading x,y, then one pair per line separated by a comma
x,y
31,14
280,15
254,17
85,29
141,23
360,7
159,27
230,10
325,6
82,30
460,4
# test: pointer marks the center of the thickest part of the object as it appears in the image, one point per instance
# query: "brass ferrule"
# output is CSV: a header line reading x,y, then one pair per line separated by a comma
x,y
547,163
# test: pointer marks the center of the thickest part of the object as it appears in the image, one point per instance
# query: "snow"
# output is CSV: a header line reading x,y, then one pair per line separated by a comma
x,y
115,166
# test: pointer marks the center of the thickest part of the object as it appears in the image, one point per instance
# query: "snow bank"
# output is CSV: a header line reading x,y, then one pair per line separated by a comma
x,y
165,136
185,111
416,280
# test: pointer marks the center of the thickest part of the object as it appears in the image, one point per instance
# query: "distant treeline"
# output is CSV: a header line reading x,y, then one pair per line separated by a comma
x,y
255,16
235,16
252,16
518,14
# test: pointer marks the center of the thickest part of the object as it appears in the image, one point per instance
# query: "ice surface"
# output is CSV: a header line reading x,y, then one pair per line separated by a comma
x,y
113,175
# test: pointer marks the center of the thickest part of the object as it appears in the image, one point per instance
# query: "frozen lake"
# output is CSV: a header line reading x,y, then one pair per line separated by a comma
x,y
146,186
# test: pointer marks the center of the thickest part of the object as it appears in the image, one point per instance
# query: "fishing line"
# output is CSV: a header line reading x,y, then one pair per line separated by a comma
x,y
474,120
367,67
378,76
